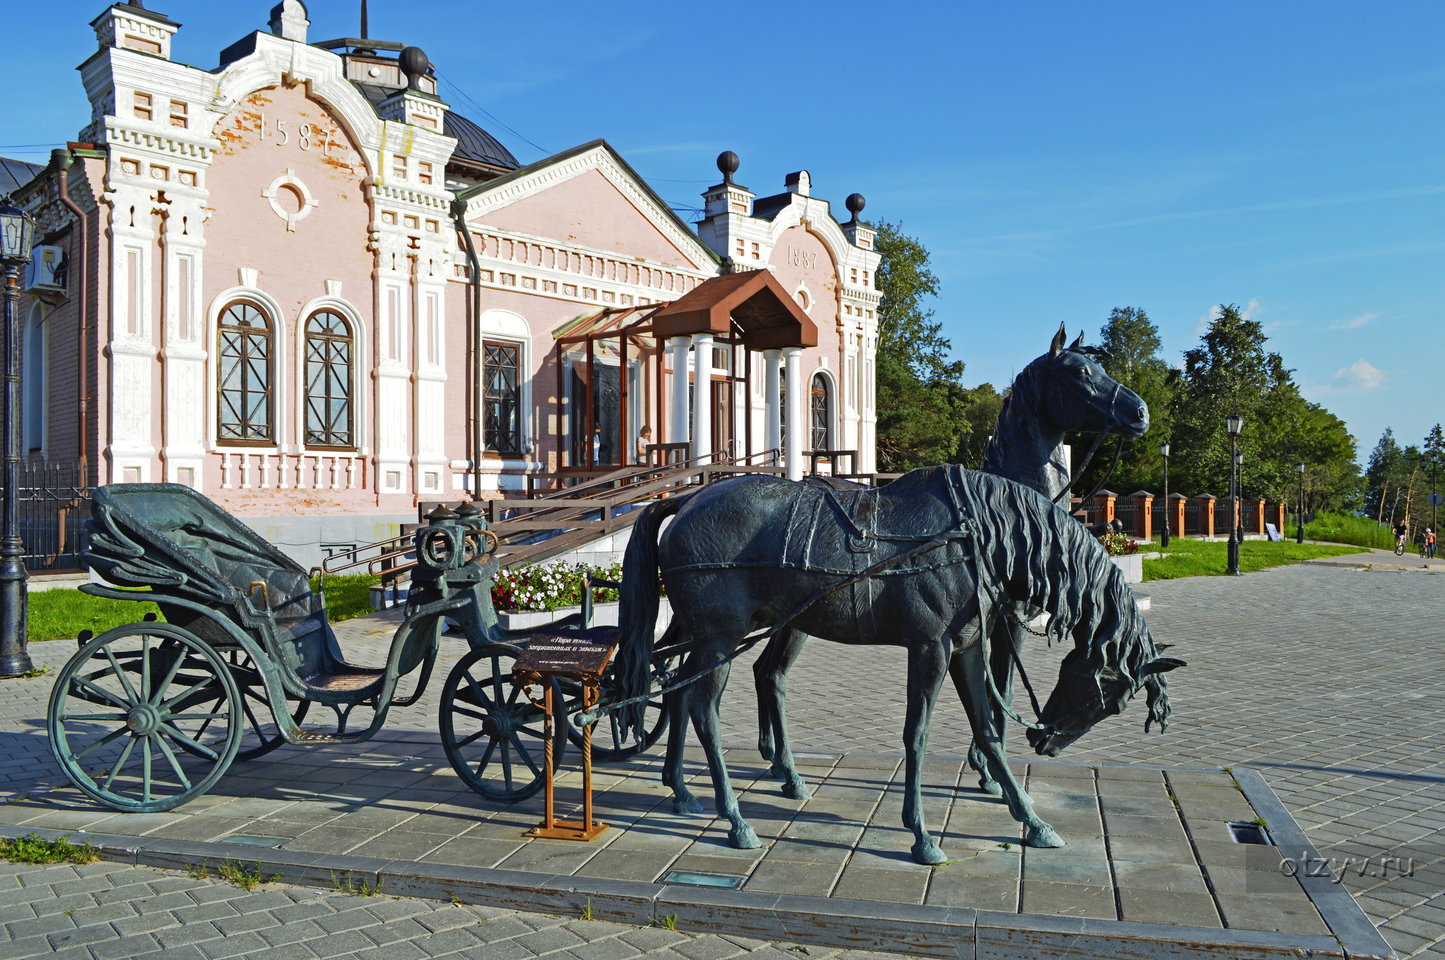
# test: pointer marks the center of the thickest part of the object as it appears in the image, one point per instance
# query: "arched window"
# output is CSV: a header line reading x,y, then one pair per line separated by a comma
x,y
501,409
819,418
33,377
243,372
328,381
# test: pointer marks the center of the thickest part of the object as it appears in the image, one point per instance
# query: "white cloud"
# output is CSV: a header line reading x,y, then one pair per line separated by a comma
x,y
1360,375
1358,322
1248,312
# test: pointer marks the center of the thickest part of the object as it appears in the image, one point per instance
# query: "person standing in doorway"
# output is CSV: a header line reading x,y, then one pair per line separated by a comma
x,y
644,439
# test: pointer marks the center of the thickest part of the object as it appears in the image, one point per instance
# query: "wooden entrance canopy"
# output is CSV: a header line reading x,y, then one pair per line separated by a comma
x,y
753,303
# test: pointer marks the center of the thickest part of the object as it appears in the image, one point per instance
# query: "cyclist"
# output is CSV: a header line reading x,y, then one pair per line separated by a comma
x,y
1400,531
1429,544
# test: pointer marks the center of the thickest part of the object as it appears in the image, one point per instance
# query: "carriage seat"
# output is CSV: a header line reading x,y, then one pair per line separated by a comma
x,y
309,638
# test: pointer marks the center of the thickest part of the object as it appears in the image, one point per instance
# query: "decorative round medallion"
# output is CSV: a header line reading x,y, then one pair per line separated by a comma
x,y
300,198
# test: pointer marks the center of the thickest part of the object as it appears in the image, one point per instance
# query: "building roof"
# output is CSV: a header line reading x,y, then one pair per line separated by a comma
x,y
767,316
15,174
474,143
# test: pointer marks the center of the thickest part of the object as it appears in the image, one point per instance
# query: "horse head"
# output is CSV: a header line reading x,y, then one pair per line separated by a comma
x,y
1087,694
1075,394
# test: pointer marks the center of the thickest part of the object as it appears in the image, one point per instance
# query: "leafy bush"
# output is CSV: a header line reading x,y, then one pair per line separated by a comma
x,y
1340,527
550,586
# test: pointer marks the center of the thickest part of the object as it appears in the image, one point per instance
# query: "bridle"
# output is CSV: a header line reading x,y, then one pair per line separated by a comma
x,y
1088,457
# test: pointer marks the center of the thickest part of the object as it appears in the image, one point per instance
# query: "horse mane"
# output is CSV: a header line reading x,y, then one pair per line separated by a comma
x,y
1023,537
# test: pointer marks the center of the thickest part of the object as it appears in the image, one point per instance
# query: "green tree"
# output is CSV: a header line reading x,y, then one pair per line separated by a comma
x,y
1130,344
980,415
921,400
1231,371
1380,475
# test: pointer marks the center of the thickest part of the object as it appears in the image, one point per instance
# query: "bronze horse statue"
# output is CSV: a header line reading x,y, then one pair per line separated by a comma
x,y
929,563
1063,391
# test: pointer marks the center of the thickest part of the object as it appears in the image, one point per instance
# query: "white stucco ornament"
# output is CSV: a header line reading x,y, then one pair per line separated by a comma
x,y
285,181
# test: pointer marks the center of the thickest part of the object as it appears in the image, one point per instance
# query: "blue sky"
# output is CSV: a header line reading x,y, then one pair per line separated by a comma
x,y
1057,159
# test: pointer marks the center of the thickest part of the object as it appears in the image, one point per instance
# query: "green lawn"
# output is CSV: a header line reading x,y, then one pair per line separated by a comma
x,y
61,614
1197,558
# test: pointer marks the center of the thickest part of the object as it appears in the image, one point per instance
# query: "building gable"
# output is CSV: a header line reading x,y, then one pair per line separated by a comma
x,y
591,198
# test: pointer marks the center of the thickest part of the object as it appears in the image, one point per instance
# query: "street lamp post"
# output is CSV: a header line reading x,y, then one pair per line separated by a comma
x,y
17,235
1164,535
1234,424
1299,533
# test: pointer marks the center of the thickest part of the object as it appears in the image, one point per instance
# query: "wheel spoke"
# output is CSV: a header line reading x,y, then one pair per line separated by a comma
x,y
95,716
497,679
250,715
468,713
120,674
181,738
507,763
486,757
165,684
145,667
171,757
476,688
202,732
468,741
177,703
102,741
120,762
526,755
99,691
145,747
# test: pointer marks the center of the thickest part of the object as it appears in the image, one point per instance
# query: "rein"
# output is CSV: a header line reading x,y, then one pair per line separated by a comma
x,y
1113,465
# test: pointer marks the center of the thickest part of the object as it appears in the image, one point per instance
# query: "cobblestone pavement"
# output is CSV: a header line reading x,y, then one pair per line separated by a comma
x,y
106,911
1320,676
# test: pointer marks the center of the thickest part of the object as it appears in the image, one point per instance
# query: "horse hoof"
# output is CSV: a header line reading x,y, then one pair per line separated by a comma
x,y
990,787
687,804
928,853
1042,835
744,838
796,790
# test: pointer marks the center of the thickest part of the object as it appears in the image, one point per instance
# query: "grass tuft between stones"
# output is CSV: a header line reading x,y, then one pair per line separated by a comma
x,y
33,848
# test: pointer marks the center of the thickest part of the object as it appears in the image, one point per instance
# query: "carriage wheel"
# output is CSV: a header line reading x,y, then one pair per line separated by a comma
x,y
145,717
259,733
608,743
492,734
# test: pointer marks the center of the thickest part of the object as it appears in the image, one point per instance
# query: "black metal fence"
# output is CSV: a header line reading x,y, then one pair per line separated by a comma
x,y
1126,511
53,506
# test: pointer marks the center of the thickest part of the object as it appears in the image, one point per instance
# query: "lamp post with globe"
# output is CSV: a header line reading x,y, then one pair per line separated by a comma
x,y
1164,534
17,236
1234,423
1299,535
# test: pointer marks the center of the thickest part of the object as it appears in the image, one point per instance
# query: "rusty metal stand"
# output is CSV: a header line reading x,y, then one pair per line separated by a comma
x,y
551,828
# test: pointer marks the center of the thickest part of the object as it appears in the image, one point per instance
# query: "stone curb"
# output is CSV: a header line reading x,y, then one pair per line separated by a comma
x,y
1338,908
948,932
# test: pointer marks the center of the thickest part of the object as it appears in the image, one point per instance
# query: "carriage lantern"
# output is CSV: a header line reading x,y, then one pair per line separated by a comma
x,y
17,234
1234,423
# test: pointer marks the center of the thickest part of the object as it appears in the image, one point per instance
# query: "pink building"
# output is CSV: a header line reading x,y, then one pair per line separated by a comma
x,y
302,285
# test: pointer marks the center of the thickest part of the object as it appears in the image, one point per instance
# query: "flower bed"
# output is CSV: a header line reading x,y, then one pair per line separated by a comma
x,y
1119,544
550,587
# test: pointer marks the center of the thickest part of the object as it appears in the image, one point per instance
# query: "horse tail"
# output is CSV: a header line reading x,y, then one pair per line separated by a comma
x,y
637,612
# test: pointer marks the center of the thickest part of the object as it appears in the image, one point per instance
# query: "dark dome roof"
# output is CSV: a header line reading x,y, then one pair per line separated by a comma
x,y
474,143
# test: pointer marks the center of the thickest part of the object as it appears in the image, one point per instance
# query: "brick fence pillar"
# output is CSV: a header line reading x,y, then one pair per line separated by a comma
x,y
1258,508
1206,513
1104,502
1144,505
1279,515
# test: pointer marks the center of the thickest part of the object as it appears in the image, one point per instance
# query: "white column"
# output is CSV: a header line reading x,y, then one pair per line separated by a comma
x,y
772,393
702,397
797,426
678,427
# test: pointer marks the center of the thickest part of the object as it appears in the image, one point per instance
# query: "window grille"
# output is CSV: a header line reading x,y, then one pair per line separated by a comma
x,y
501,397
328,381
244,372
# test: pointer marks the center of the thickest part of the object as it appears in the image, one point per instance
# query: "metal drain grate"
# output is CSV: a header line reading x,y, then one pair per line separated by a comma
x,y
1250,833
692,879
253,841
